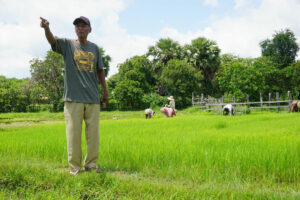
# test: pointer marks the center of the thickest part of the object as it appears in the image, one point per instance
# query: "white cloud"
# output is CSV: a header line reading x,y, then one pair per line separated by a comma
x,y
122,46
210,2
21,38
240,3
185,38
242,34
18,44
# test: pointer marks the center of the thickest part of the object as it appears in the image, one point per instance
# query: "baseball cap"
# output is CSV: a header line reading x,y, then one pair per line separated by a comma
x,y
82,19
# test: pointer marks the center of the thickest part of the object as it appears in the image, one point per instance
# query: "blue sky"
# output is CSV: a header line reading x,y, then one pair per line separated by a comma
x,y
125,28
149,17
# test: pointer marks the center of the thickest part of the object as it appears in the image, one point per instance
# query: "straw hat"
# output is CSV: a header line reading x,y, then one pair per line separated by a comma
x,y
171,98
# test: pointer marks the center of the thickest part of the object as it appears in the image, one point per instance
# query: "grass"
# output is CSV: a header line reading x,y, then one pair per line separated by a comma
x,y
8,118
195,155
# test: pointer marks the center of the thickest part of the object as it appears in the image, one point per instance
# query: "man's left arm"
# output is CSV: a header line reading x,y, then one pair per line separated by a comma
x,y
101,77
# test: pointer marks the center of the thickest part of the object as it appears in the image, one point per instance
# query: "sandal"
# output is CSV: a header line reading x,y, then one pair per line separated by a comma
x,y
74,172
96,169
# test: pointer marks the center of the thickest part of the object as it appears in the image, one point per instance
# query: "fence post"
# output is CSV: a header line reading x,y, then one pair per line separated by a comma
x,y
193,99
208,103
289,98
248,106
261,101
202,102
277,99
269,99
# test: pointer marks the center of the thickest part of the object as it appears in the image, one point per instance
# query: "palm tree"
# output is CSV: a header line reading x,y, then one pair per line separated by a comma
x,y
204,55
160,54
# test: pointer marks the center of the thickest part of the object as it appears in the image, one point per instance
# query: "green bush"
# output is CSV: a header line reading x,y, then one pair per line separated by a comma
x,y
33,108
152,100
45,107
112,105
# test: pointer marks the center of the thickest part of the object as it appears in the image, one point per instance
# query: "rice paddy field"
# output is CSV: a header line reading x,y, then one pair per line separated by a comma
x,y
195,155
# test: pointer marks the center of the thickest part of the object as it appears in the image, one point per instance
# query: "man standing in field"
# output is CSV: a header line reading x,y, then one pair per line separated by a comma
x,y
83,71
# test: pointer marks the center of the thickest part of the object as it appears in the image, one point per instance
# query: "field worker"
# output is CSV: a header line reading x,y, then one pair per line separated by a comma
x,y
168,112
172,102
294,106
83,71
228,109
149,113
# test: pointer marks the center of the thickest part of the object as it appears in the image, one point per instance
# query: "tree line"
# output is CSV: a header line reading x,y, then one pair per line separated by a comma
x,y
167,68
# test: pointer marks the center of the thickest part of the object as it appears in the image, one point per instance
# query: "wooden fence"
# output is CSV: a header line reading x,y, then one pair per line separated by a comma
x,y
214,104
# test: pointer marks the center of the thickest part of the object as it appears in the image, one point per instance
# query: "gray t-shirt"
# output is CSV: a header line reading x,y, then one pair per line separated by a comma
x,y
81,65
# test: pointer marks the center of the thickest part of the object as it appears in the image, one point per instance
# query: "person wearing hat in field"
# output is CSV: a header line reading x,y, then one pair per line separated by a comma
x,y
83,71
172,102
169,109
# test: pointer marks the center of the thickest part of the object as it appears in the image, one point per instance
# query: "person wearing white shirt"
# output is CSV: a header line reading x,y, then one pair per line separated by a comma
x,y
172,102
228,109
149,113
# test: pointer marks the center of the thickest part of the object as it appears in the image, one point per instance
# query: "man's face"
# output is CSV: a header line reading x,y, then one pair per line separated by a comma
x,y
82,30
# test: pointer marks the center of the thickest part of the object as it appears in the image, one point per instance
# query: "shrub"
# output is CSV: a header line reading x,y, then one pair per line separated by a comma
x,y
152,100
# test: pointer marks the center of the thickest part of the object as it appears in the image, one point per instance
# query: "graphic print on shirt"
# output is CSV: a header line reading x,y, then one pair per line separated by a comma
x,y
84,60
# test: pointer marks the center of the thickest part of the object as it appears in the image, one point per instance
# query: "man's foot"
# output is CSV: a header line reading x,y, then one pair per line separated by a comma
x,y
74,172
96,169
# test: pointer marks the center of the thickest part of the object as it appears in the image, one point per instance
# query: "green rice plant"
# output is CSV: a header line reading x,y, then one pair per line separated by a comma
x,y
254,156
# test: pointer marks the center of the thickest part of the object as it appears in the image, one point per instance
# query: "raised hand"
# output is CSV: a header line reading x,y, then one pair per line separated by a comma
x,y
44,23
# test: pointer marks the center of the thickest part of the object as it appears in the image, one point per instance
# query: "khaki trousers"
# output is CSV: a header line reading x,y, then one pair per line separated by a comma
x,y
75,113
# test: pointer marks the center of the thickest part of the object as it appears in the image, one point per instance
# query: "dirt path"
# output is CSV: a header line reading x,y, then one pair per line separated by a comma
x,y
28,123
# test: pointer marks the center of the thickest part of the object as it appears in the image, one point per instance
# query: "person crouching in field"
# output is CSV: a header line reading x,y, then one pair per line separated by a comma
x,y
168,112
294,106
228,109
83,71
169,109
149,113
